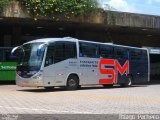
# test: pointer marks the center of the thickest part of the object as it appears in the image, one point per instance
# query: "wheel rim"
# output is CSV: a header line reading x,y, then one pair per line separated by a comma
x,y
72,83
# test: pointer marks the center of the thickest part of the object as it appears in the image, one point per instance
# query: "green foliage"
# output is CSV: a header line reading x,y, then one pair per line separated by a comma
x,y
3,4
55,8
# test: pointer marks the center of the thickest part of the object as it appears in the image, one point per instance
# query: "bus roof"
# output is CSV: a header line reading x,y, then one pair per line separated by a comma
x,y
50,40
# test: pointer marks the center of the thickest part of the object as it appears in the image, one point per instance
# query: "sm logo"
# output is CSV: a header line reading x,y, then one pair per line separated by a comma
x,y
111,68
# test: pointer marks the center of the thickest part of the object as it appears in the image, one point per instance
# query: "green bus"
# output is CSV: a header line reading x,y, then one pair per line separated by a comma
x,y
7,65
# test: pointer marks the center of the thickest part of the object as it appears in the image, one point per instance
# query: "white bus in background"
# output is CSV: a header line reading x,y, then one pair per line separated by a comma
x,y
72,63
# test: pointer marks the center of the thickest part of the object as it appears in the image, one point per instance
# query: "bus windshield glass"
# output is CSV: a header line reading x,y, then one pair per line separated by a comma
x,y
29,62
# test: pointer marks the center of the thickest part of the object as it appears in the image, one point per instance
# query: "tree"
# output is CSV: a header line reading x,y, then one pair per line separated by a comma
x,y
3,4
54,8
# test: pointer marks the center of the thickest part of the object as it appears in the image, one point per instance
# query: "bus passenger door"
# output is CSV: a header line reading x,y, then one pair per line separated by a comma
x,y
55,70
49,76
55,74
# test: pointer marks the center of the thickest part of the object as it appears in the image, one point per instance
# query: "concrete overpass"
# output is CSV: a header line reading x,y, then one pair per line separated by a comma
x,y
106,26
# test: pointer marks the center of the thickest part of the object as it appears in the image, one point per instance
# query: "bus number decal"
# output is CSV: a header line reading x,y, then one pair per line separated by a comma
x,y
112,70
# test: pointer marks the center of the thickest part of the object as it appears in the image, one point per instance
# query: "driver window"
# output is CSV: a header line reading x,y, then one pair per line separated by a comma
x,y
50,55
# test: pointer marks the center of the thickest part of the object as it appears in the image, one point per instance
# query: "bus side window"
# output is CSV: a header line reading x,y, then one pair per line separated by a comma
x,y
121,53
50,54
59,52
88,50
70,50
136,55
64,50
105,51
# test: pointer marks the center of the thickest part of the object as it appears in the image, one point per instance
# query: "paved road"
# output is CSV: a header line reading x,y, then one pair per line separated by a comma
x,y
140,99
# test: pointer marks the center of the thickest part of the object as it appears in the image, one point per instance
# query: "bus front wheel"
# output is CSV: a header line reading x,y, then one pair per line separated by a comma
x,y
72,83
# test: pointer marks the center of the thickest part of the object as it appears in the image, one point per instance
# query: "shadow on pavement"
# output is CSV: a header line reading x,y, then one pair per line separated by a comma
x,y
62,89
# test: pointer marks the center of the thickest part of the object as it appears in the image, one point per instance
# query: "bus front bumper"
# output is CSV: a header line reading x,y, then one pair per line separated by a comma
x,y
24,82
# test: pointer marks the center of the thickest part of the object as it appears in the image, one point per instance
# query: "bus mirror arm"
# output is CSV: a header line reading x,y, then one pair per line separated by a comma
x,y
13,50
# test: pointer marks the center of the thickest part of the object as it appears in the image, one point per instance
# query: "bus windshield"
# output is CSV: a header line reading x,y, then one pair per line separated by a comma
x,y
29,62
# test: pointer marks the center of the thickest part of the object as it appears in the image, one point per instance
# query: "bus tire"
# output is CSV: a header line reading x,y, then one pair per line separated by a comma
x,y
107,85
128,82
72,83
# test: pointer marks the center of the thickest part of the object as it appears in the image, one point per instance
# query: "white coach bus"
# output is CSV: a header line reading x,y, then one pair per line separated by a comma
x,y
71,62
